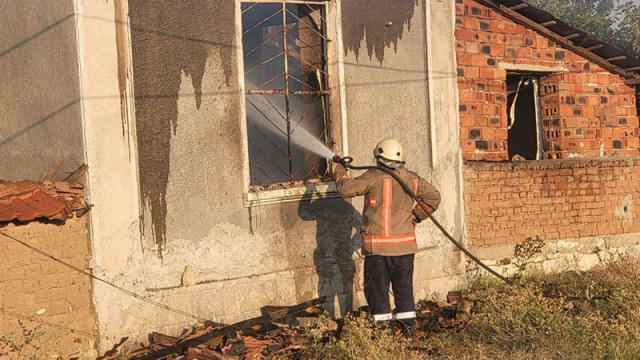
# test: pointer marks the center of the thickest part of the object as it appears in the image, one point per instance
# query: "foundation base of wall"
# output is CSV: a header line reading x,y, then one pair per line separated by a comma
x,y
563,255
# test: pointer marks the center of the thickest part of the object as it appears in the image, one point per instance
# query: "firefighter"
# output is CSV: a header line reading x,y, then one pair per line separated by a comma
x,y
388,221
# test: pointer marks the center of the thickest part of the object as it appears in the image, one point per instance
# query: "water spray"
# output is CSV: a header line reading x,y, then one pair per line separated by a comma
x,y
346,162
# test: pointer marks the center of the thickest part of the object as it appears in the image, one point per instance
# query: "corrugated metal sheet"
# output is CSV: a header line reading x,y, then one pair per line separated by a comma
x,y
28,200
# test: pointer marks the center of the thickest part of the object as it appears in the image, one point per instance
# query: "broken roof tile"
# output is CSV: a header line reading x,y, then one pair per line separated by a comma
x,y
28,200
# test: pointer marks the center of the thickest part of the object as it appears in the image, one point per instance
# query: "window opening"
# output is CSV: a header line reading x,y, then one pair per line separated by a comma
x,y
524,117
287,97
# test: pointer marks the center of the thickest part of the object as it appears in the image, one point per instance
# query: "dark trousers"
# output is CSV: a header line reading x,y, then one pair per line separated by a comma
x,y
379,272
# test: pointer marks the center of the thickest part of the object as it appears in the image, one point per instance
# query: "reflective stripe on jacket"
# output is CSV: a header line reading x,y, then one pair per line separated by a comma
x,y
387,227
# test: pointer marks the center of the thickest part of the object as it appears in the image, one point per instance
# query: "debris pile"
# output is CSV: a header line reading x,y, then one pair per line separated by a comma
x,y
284,332
247,339
29,200
46,198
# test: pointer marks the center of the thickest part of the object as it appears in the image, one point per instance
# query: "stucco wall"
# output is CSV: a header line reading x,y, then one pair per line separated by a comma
x,y
201,250
44,295
393,89
39,89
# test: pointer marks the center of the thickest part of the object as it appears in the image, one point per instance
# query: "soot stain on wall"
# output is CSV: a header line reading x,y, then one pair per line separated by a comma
x,y
362,18
170,38
121,43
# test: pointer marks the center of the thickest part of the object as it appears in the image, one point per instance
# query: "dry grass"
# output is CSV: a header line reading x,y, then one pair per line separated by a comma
x,y
590,315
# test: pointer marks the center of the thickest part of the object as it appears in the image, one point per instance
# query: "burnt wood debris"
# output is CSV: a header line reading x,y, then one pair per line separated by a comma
x,y
281,332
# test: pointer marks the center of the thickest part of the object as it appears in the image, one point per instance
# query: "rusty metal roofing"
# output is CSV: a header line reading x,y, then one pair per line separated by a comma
x,y
615,60
29,200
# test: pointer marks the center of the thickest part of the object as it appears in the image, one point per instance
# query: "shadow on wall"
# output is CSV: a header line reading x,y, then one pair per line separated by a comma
x,y
337,237
170,38
368,18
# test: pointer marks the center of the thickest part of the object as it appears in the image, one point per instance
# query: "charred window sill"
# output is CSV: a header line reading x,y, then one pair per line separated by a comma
x,y
276,194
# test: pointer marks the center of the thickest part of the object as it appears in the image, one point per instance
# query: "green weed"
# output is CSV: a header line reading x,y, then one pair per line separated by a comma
x,y
571,315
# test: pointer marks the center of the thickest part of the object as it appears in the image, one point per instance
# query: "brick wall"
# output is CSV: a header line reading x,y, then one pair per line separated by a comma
x,y
555,199
40,292
585,110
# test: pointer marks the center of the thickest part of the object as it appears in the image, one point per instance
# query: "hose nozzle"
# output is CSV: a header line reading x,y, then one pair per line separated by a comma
x,y
345,161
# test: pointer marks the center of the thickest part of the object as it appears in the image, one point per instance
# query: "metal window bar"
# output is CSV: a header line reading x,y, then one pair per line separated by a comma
x,y
301,24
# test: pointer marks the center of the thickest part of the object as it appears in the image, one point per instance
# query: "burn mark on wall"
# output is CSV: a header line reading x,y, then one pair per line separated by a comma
x,y
382,22
121,43
170,38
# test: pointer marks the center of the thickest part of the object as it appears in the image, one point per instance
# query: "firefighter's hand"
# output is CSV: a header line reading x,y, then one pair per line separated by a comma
x,y
415,221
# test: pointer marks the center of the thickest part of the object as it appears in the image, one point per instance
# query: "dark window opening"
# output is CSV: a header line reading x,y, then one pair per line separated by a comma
x,y
287,97
523,111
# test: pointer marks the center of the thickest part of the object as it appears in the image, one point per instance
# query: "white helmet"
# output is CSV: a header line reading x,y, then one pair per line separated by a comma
x,y
389,149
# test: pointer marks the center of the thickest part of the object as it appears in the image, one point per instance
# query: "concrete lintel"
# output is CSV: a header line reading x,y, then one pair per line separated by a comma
x,y
531,67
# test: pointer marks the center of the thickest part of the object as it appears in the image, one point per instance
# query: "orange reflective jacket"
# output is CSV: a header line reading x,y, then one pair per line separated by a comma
x,y
387,227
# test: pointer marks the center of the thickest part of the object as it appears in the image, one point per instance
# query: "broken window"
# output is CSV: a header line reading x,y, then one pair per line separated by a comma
x,y
287,104
524,117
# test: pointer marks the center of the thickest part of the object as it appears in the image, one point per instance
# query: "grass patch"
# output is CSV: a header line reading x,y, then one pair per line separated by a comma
x,y
572,315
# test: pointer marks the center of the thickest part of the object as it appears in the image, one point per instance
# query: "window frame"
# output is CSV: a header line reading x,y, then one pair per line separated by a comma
x,y
255,195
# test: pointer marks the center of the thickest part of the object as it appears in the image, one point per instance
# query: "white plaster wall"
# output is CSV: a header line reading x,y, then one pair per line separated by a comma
x,y
235,260
110,155
441,259
240,259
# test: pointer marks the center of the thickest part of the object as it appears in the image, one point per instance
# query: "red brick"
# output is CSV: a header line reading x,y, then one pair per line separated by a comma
x,y
475,109
468,145
517,40
490,109
618,133
587,110
479,60
464,84
467,121
464,59
496,86
524,52
501,134
542,43
497,50
605,132
593,100
486,73
471,23
471,97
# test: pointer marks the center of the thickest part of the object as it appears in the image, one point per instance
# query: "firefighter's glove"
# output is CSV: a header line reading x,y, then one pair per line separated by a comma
x,y
340,172
419,214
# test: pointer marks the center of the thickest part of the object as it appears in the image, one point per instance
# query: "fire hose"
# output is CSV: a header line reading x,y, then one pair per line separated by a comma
x,y
346,162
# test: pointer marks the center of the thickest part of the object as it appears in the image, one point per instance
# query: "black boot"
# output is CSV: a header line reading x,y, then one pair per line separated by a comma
x,y
406,326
